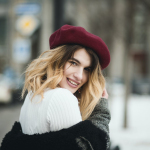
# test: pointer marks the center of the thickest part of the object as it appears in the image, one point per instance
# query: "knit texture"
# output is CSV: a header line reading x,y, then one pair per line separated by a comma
x,y
58,110
100,117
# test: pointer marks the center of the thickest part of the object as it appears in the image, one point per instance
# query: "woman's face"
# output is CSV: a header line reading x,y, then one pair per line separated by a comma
x,y
76,71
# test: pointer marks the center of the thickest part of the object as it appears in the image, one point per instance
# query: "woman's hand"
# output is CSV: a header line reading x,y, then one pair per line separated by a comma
x,y
105,94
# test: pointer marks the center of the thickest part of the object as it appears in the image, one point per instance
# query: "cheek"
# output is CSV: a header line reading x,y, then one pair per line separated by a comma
x,y
66,66
66,69
85,78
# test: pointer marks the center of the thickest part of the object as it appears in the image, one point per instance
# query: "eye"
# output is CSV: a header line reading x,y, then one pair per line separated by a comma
x,y
73,63
87,69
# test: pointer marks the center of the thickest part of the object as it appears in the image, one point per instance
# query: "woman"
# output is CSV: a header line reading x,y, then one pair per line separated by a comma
x,y
64,86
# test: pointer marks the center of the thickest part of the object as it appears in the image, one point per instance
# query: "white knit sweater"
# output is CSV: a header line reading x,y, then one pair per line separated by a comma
x,y
59,109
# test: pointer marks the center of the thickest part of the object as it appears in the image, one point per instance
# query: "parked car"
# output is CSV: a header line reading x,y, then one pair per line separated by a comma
x,y
141,86
10,88
5,89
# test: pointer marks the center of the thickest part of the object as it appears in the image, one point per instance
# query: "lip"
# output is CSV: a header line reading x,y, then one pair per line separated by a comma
x,y
72,85
74,81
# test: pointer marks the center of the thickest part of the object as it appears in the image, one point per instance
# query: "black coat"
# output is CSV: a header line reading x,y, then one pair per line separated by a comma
x,y
90,134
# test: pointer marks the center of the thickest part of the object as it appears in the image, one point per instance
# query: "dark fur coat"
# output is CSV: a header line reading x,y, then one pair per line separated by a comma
x,y
91,134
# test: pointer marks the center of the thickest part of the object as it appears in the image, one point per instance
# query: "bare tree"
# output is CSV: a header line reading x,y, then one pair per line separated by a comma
x,y
127,57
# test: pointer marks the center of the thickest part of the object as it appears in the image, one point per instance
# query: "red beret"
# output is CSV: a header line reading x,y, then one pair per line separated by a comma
x,y
68,34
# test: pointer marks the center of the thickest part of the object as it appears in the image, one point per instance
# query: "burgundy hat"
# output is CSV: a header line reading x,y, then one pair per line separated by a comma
x,y
68,34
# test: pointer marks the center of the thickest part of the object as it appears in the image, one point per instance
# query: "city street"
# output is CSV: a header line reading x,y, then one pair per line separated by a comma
x,y
8,115
39,37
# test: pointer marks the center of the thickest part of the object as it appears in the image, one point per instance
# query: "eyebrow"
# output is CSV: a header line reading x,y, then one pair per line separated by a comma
x,y
75,60
79,62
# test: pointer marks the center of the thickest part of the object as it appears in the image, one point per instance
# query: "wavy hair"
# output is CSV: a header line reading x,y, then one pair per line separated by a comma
x,y
47,71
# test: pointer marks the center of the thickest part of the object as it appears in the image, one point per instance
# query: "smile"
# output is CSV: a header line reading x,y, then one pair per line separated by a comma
x,y
72,82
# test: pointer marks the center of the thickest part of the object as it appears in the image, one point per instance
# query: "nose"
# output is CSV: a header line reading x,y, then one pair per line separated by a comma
x,y
78,74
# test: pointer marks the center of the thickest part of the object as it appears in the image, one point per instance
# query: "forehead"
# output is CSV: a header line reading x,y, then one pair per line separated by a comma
x,y
83,57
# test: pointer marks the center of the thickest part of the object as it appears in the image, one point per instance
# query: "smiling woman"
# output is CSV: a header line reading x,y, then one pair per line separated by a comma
x,y
72,67
66,90
75,71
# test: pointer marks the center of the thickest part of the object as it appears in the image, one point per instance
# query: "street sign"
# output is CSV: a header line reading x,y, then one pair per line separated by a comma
x,y
27,8
22,50
27,24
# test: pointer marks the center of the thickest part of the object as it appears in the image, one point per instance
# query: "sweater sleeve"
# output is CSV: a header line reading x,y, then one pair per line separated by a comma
x,y
63,110
100,117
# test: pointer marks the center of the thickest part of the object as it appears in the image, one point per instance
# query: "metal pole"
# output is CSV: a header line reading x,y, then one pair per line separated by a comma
x,y
58,13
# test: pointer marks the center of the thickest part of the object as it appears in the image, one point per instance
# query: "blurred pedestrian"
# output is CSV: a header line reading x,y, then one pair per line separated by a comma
x,y
66,105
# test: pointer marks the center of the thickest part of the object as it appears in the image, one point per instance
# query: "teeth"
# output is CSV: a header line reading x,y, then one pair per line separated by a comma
x,y
73,82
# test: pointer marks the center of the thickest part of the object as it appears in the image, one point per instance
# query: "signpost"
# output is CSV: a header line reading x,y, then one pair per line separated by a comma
x,y
27,8
22,50
27,24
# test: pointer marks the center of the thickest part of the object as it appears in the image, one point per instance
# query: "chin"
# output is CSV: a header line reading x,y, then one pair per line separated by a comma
x,y
71,90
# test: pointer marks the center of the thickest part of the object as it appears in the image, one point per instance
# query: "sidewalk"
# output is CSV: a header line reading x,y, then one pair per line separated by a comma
x,y
8,115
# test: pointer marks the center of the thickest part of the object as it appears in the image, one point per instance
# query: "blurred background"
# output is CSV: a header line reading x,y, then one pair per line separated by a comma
x,y
124,25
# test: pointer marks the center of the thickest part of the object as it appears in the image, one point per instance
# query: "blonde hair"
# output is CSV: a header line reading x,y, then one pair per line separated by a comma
x,y
47,71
